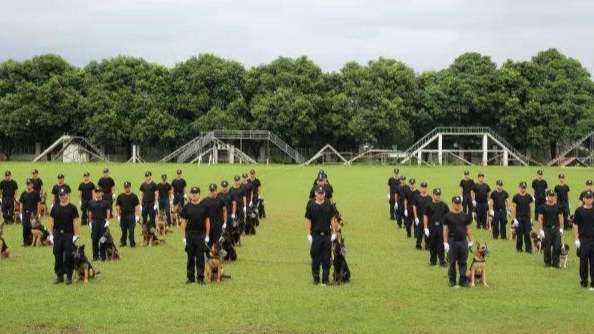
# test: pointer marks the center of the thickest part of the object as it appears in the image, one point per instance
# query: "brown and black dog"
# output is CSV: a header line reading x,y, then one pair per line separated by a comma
x,y
536,241
175,210
43,211
478,267
4,251
39,232
162,227
564,255
149,236
83,267
215,265
16,214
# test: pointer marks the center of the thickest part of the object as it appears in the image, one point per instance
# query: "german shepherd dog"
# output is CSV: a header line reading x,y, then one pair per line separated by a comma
x,y
43,211
536,241
251,221
339,218
16,214
215,265
149,235
341,273
261,209
39,232
175,210
227,242
83,267
4,251
564,255
478,267
162,227
107,245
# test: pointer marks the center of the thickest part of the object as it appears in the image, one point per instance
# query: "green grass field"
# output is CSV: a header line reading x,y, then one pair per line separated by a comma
x,y
393,290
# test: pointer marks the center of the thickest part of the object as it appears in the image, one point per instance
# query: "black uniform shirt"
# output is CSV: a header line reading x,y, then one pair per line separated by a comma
x,y
56,190
522,205
539,186
98,209
195,216
8,188
481,191
30,200
550,215
562,192
86,190
393,183
214,207
106,183
148,191
227,199
410,197
421,202
37,184
164,190
178,186
320,216
64,217
466,186
584,219
499,198
255,184
127,203
328,190
456,223
435,213
401,192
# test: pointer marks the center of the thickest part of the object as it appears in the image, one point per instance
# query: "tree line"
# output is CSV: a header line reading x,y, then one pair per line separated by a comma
x,y
536,105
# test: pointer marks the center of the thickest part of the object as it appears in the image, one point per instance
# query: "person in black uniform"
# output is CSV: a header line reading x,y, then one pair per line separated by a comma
x,y
432,221
400,195
322,183
149,196
217,213
321,228
196,225
165,198
550,219
409,196
480,193
584,239
98,221
239,197
247,190
523,217
63,231
37,182
29,205
562,191
108,185
499,204
456,230
128,212
419,204
465,193
179,189
589,187
56,189
85,193
9,189
227,198
256,187
539,187
393,183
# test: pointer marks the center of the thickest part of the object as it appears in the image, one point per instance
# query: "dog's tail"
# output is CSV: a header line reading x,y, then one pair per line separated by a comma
x,y
226,276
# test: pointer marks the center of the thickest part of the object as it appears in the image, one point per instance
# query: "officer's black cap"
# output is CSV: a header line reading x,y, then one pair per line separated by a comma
x,y
86,174
236,178
147,173
105,170
63,191
195,190
252,171
423,184
320,190
499,182
60,176
588,194
224,184
437,191
396,170
35,171
523,185
8,173
481,175
321,176
244,175
412,181
550,192
98,189
456,200
539,172
164,177
466,172
127,184
212,187
402,177
589,183
561,176
29,181
179,171
321,171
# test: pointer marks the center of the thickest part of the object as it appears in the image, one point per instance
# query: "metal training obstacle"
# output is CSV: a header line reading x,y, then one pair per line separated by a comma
x,y
580,152
72,149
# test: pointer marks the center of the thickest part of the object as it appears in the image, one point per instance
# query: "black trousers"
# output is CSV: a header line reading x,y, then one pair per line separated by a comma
x,y
392,201
420,234
96,234
27,235
565,209
63,257
523,234
195,249
458,255
179,198
436,249
321,247
8,209
499,223
148,211
551,246
84,207
400,213
467,206
481,214
127,225
537,204
108,196
216,230
586,261
408,221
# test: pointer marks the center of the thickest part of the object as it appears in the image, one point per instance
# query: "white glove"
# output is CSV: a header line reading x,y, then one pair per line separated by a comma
x,y
461,199
206,239
509,212
90,224
140,207
51,237
569,206
405,213
388,195
106,224
244,210
309,239
473,203
0,201
533,199
516,223
184,241
185,195
232,216
396,205
251,204
74,239
427,232
561,231
224,225
170,203
492,213
119,219
542,234
446,247
156,207
21,216
577,244
333,237
417,221
113,197
470,244
137,218
79,203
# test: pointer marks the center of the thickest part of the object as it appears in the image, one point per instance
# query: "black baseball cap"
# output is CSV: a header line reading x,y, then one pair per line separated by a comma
x,y
588,194
127,184
164,177
35,171
212,187
523,184
396,170
423,184
63,191
320,190
60,176
437,191
29,181
147,173
499,182
244,175
589,182
224,184
236,178
539,172
98,189
252,171
550,192
402,177
195,190
481,175
412,181
179,171
86,174
456,199
105,170
8,173
466,172
321,171
561,176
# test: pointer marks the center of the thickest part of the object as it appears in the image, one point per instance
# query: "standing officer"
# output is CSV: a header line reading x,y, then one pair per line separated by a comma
x,y
256,187
56,189
29,205
108,185
590,187
322,182
499,202
419,205
539,186
321,228
179,189
562,191
165,198
480,193
523,217
217,213
9,189
550,219
409,197
584,239
230,204
196,225
37,182
63,231
456,228
400,194
465,193
128,212
149,196
85,194
432,220
239,197
393,183
98,216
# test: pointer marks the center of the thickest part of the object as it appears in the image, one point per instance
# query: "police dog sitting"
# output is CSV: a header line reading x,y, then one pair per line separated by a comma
x,y
108,247
39,232
43,211
175,221
4,251
162,227
478,267
215,265
536,241
149,235
83,267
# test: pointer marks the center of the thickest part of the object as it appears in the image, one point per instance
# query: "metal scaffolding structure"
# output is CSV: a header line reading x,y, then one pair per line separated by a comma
x,y
72,149
580,152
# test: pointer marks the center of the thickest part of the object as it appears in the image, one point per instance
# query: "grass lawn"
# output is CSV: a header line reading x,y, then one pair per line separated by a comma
x,y
393,290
